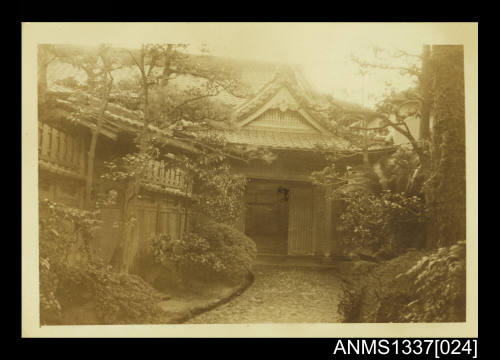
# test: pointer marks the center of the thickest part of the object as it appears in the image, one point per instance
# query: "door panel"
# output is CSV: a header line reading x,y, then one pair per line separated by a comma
x,y
300,226
266,218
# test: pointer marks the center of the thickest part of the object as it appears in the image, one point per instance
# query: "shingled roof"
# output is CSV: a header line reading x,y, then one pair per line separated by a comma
x,y
263,81
291,104
82,108
283,140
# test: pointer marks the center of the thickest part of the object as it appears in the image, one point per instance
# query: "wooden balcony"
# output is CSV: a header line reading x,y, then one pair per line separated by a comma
x,y
60,152
65,154
159,177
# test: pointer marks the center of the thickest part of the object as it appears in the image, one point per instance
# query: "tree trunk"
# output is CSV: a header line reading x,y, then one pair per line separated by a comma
x,y
143,142
446,195
425,85
167,71
91,154
128,251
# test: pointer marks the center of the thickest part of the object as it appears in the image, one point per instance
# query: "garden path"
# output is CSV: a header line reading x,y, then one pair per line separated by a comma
x,y
282,294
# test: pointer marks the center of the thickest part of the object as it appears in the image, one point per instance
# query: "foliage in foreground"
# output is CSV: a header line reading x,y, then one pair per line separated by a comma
x,y
117,298
387,220
382,204
211,252
70,276
414,287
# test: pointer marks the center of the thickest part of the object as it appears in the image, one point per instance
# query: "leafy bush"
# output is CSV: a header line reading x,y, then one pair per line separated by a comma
x,y
234,249
437,286
418,286
350,303
50,308
117,298
213,252
65,232
70,276
220,193
64,239
388,220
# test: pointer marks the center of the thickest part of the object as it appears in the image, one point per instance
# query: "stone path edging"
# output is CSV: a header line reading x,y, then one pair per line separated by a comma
x,y
192,312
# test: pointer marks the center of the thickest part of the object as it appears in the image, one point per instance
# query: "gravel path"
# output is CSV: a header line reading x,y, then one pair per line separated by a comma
x,y
281,295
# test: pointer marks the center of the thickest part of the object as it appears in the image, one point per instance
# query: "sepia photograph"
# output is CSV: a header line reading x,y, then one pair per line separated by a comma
x,y
250,173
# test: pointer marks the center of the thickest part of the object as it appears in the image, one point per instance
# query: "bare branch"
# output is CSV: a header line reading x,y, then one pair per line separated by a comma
x,y
152,64
405,53
191,100
136,62
193,141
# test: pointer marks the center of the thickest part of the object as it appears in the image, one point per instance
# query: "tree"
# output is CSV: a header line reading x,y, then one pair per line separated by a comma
x,y
106,65
446,186
98,65
46,55
172,110
440,171
391,112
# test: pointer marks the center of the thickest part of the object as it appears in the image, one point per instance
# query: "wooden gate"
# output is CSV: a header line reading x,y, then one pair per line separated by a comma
x,y
300,225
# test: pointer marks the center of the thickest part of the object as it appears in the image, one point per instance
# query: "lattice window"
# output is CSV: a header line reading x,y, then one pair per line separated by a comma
x,y
277,120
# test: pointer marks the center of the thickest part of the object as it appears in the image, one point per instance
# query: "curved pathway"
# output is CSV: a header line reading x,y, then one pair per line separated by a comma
x,y
281,295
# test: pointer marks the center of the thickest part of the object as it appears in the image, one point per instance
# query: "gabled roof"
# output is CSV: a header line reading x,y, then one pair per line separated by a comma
x,y
282,115
296,95
284,76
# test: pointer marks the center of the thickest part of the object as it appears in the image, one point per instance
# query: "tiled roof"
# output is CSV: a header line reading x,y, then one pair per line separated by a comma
x,y
117,118
265,77
115,114
282,140
284,76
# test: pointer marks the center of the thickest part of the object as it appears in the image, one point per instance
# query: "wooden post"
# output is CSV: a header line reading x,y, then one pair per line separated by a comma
x,y
81,161
328,219
46,141
62,148
54,145
40,136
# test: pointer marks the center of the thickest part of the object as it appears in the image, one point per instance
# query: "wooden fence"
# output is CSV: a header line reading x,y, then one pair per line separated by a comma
x,y
155,214
159,174
61,149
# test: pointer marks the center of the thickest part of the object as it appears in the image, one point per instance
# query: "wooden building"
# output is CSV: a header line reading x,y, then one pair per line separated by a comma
x,y
285,213
65,123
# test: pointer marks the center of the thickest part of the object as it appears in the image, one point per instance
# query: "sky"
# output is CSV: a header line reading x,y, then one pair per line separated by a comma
x,y
323,50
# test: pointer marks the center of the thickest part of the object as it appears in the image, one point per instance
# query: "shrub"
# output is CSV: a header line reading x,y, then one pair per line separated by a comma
x,y
220,193
438,286
234,249
116,298
418,286
389,220
350,303
71,277
212,252
64,235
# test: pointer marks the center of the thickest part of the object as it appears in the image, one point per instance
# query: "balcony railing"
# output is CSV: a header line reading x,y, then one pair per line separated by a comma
x,y
61,151
165,178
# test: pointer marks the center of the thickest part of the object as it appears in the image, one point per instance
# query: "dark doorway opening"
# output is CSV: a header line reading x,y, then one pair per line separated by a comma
x,y
266,219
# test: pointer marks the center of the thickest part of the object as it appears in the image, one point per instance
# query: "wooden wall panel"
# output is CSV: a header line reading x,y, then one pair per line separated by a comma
x,y
108,235
300,226
319,220
46,141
